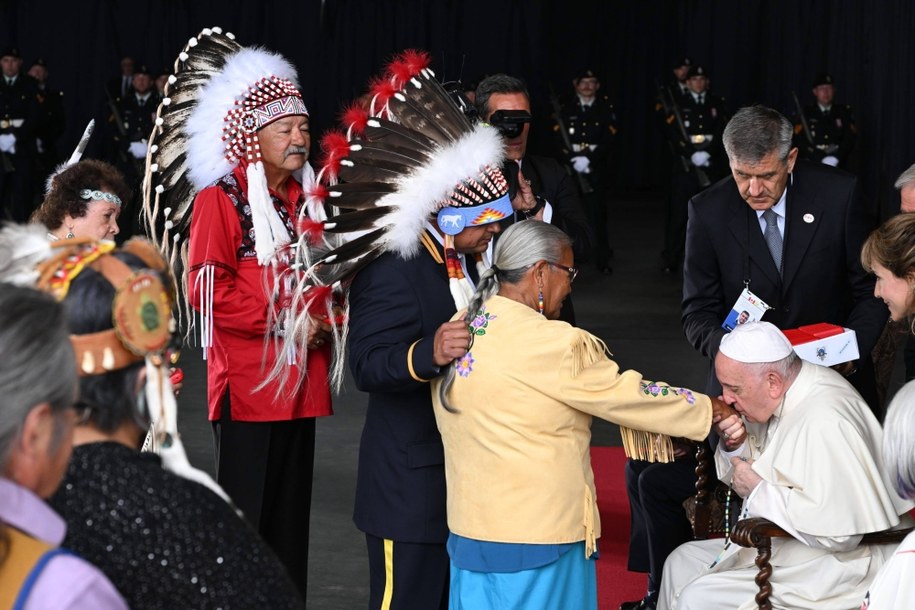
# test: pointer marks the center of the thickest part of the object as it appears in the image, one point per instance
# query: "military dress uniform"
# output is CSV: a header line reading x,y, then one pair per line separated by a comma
x,y
592,133
138,118
48,130
18,116
704,117
832,133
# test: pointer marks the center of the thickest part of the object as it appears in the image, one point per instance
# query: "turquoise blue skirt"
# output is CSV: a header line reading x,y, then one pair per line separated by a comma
x,y
568,583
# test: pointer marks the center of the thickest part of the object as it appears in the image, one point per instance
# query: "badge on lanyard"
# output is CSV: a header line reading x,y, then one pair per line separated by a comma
x,y
747,308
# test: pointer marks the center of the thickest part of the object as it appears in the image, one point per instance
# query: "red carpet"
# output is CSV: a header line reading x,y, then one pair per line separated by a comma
x,y
615,583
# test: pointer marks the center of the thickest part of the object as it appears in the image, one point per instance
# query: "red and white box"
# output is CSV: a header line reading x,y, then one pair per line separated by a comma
x,y
824,344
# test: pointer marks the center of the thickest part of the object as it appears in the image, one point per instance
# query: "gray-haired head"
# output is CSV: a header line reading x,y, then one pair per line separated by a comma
x,y
497,83
518,249
899,441
906,178
37,364
755,132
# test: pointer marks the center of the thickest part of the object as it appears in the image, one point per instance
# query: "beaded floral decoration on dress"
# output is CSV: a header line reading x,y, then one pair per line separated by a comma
x,y
651,388
477,328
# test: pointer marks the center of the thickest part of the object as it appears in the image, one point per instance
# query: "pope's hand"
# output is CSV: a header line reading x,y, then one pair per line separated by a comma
x,y
744,479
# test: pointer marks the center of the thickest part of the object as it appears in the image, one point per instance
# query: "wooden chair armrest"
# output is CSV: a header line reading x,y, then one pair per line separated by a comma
x,y
751,532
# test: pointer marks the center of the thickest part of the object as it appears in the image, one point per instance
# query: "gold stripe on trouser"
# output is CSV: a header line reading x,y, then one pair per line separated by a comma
x,y
388,575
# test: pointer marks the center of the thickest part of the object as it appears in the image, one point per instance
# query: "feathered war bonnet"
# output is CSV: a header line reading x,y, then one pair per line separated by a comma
x,y
219,96
141,315
405,157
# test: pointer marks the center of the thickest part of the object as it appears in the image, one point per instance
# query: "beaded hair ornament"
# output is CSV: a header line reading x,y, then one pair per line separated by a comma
x,y
140,313
97,195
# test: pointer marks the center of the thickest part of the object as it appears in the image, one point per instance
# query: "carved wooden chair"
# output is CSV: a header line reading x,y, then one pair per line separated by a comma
x,y
707,517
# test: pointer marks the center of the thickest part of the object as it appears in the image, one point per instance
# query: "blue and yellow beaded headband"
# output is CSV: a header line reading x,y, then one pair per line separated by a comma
x,y
97,195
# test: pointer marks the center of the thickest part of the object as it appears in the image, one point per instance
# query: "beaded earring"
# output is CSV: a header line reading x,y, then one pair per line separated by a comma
x,y
70,234
540,302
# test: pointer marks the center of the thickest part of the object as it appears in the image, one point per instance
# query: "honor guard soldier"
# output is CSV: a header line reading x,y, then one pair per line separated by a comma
x,y
694,126
589,122
132,120
50,126
826,132
18,118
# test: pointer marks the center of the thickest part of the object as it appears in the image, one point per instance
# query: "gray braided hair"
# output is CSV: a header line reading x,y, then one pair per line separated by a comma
x,y
518,249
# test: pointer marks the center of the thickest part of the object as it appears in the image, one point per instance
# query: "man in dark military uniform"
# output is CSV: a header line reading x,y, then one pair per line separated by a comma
x,y
18,119
589,121
693,128
830,133
50,125
136,112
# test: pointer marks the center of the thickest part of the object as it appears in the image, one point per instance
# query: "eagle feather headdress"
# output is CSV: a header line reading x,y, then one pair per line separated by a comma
x,y
405,158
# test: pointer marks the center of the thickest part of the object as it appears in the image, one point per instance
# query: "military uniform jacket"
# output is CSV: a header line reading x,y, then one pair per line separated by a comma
x,y
591,129
138,117
704,124
396,306
19,112
833,133
51,122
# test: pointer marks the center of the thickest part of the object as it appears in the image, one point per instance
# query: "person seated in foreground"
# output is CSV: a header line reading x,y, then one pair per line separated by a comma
x,y
811,463
165,541
894,587
38,386
522,508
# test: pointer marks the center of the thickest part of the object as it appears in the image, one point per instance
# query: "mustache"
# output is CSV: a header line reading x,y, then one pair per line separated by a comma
x,y
295,150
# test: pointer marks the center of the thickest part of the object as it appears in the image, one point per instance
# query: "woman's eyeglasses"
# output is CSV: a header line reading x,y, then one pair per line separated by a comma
x,y
572,271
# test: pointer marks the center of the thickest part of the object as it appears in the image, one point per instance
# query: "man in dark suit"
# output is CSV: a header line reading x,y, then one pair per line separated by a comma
x,y
803,262
400,339
538,186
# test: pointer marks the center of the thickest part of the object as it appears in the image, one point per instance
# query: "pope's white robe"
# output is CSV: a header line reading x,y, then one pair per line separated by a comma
x,y
823,480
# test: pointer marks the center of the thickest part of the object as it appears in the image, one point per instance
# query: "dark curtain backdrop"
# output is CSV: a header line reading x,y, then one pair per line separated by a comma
x,y
755,51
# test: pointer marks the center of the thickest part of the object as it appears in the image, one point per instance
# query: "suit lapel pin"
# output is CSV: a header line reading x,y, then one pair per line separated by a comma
x,y
808,218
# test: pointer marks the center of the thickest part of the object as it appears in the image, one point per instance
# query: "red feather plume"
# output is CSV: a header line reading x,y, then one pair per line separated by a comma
x,y
381,90
316,299
355,118
318,191
312,229
335,147
407,65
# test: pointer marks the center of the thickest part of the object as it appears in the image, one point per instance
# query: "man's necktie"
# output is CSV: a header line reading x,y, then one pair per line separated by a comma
x,y
773,237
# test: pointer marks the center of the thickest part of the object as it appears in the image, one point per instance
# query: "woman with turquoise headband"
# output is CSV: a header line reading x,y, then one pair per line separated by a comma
x,y
83,200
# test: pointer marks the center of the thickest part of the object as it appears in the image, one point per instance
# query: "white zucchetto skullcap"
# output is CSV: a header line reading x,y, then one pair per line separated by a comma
x,y
755,342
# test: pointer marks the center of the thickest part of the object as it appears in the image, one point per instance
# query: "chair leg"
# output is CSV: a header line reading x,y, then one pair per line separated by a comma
x,y
763,555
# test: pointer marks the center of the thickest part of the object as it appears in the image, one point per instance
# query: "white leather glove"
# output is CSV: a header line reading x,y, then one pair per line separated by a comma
x,y
138,149
830,160
581,164
700,158
8,143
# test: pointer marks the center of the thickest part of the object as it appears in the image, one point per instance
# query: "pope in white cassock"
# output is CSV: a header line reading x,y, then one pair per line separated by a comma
x,y
811,463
